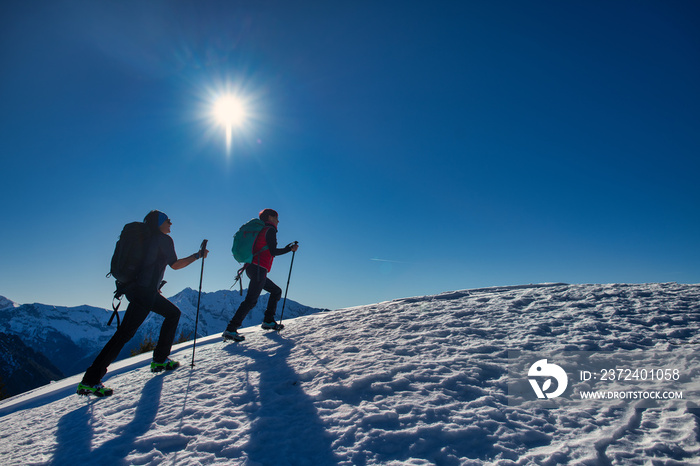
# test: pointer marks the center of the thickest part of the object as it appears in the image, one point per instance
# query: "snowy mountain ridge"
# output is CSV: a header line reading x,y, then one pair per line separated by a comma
x,y
72,336
22,367
417,381
5,303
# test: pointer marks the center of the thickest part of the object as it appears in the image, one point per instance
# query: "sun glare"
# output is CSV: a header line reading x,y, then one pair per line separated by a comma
x,y
229,112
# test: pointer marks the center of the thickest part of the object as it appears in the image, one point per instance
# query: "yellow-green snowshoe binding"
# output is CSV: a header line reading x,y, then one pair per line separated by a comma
x,y
98,390
167,365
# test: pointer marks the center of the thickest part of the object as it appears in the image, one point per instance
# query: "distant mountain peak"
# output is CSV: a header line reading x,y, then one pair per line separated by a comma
x,y
5,303
72,336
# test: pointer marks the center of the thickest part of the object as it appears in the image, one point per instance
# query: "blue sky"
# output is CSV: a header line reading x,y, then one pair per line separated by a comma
x,y
410,148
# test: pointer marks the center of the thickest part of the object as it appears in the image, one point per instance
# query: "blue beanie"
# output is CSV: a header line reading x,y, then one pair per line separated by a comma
x,y
161,218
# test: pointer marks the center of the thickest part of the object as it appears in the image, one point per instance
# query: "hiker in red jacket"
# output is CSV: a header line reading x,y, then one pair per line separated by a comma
x,y
257,272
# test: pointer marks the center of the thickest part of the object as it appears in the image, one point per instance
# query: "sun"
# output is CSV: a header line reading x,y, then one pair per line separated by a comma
x,y
229,111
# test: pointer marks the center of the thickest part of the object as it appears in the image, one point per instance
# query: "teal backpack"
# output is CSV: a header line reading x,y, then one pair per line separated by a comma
x,y
244,239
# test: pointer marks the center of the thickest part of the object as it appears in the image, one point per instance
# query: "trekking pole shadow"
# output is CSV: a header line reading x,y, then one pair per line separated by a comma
x,y
184,404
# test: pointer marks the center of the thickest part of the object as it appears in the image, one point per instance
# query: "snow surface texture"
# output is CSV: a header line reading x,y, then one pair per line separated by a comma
x,y
413,381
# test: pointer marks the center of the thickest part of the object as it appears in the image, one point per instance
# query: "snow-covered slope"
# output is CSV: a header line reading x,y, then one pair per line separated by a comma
x,y
415,381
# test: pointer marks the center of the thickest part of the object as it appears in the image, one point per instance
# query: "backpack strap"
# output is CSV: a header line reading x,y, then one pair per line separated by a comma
x,y
117,297
238,278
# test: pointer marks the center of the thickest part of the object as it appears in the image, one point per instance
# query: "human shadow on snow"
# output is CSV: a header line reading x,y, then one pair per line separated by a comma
x,y
285,425
75,433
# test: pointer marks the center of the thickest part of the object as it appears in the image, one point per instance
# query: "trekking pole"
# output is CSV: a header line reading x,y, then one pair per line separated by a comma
x,y
288,279
199,297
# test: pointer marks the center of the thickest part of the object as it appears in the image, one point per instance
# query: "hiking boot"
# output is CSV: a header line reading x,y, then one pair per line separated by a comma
x,y
272,326
98,390
234,336
167,365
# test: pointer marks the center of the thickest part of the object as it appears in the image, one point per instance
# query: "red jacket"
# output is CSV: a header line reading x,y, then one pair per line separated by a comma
x,y
264,256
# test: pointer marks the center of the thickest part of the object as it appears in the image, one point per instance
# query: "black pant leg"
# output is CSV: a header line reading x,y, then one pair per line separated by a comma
x,y
134,316
275,295
171,313
258,277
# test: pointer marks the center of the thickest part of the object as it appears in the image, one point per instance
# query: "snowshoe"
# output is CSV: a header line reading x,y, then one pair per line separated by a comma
x,y
167,365
232,336
272,326
98,390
